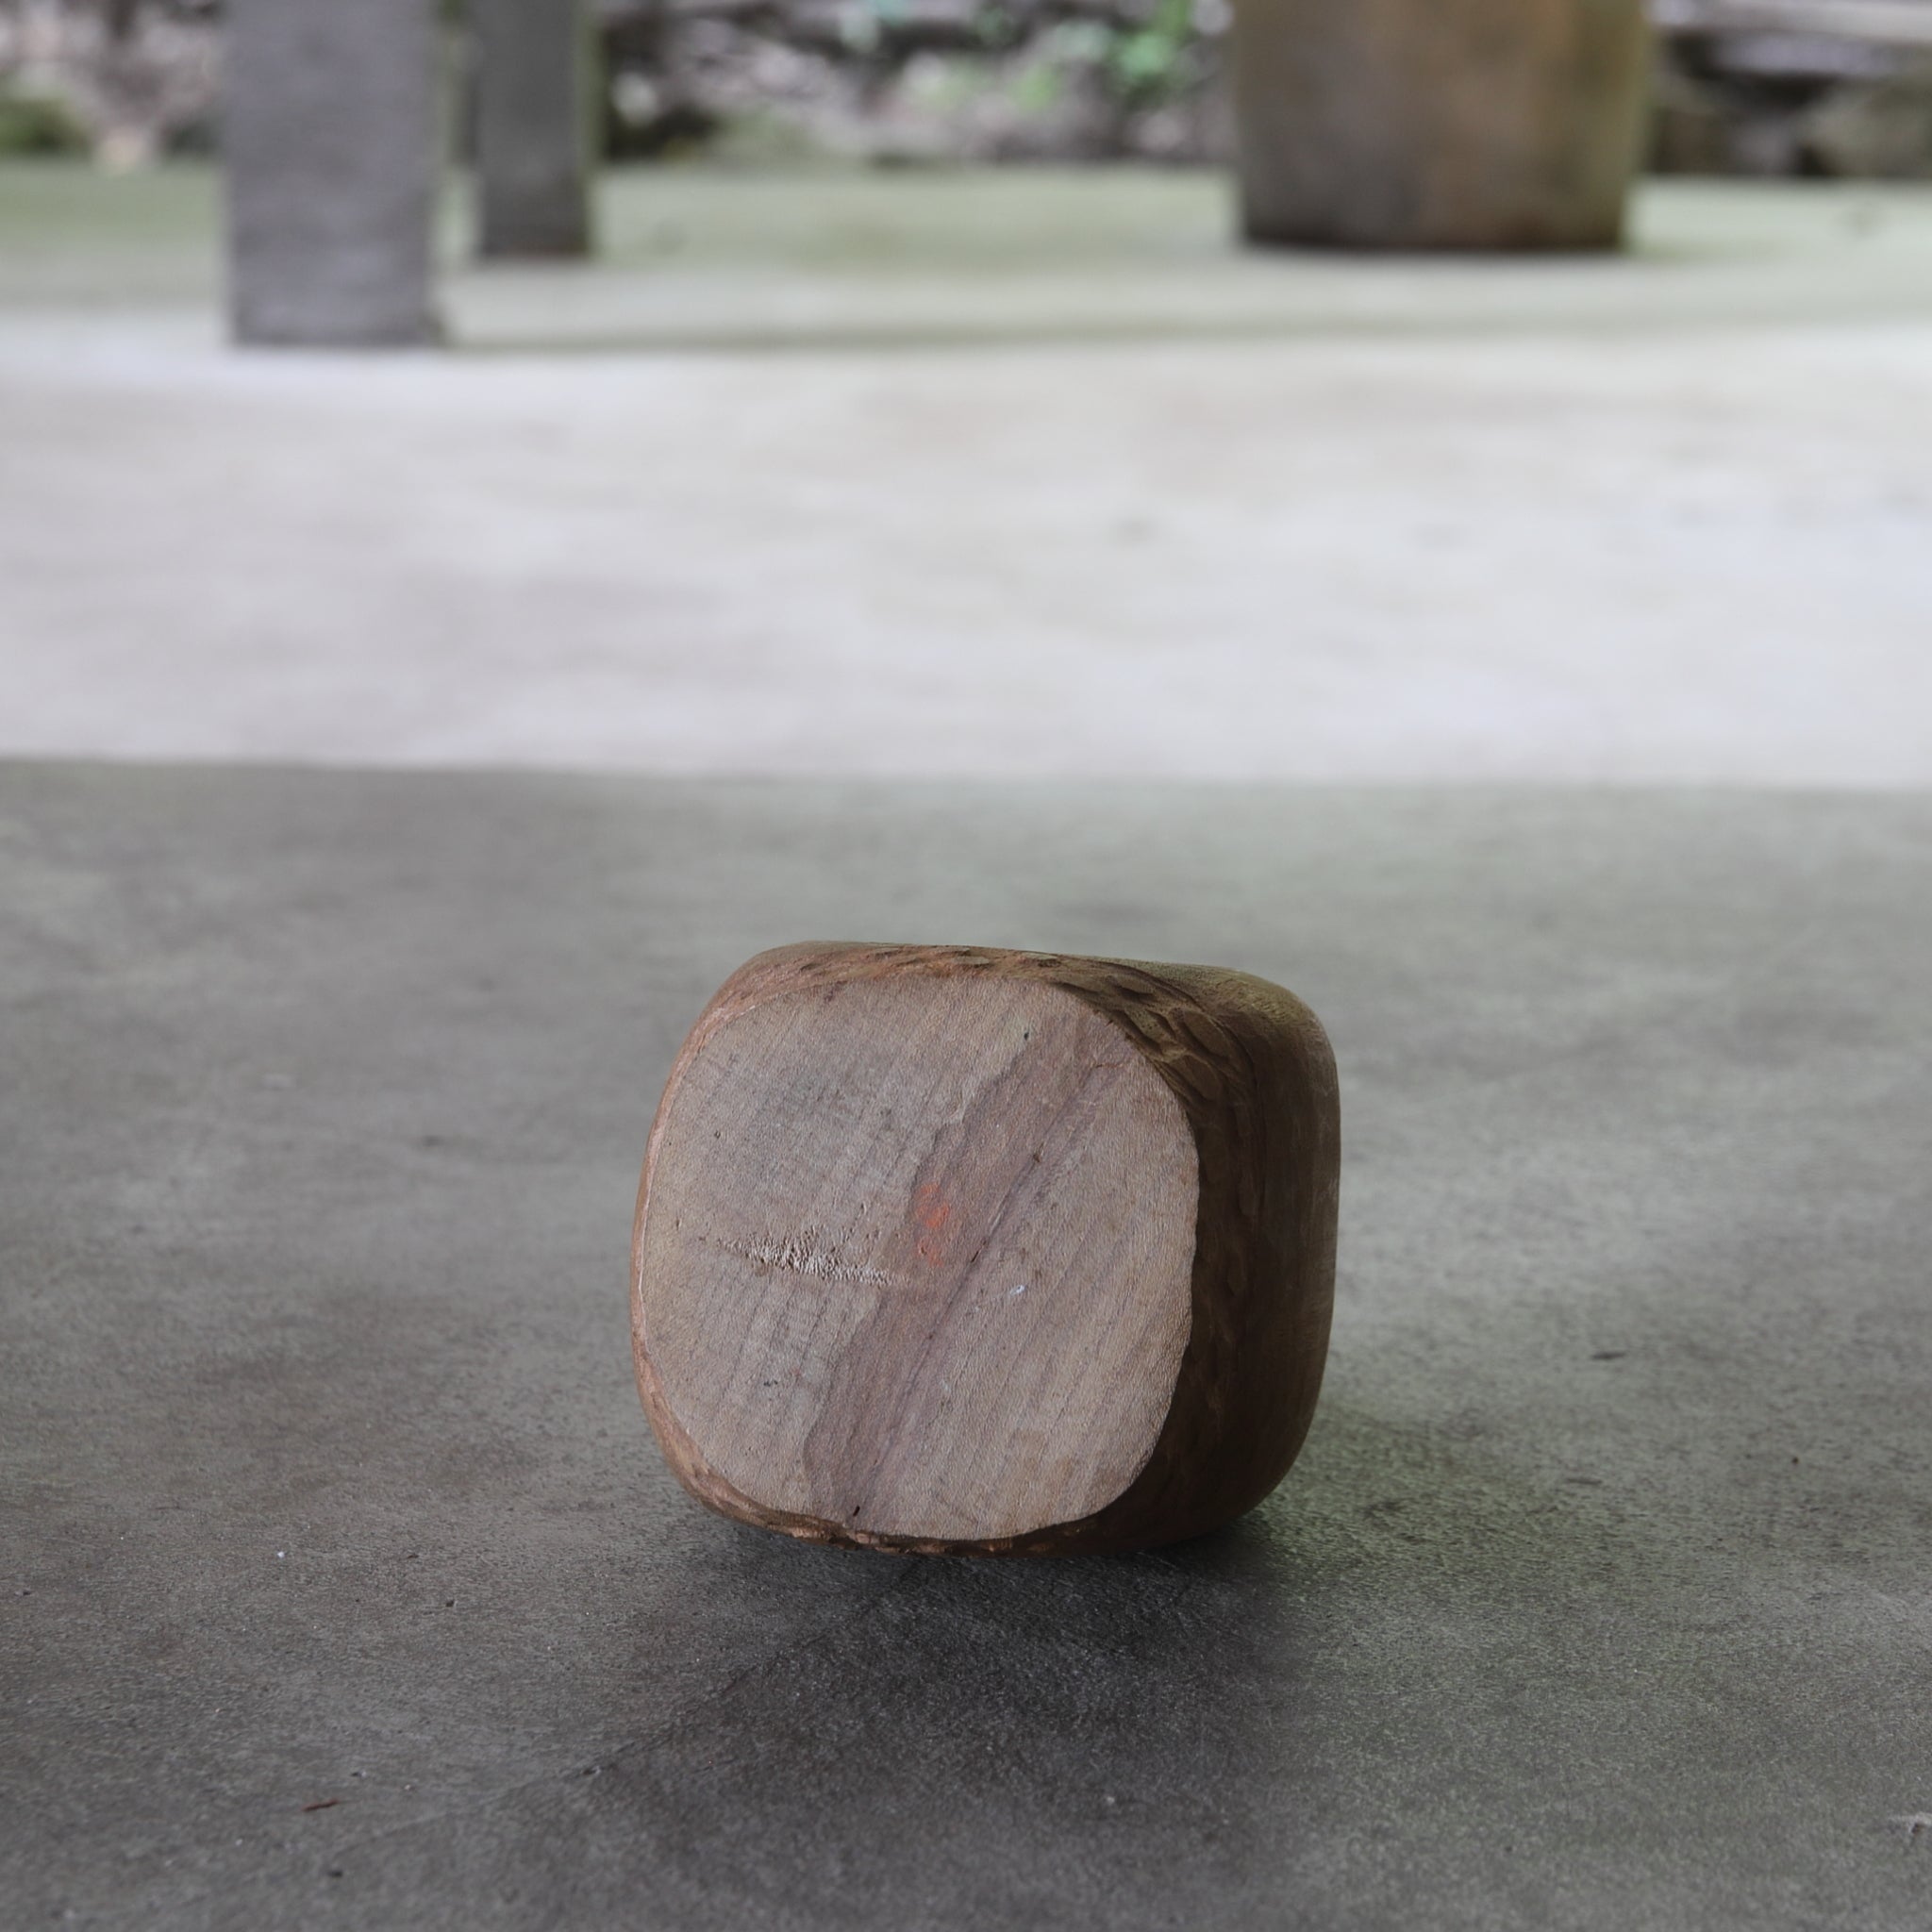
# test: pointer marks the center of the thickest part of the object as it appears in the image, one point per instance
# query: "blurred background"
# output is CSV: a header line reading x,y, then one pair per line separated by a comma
x,y
1523,406
1839,90
967,387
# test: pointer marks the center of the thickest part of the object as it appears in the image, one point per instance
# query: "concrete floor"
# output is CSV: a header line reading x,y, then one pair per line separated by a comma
x,y
342,1585
1029,474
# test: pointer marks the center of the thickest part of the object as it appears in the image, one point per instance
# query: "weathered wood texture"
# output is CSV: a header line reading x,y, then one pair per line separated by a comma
x,y
946,1249
1438,124
329,149
534,127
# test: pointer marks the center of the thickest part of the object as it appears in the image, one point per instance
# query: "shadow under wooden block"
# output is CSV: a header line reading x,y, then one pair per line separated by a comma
x,y
947,1249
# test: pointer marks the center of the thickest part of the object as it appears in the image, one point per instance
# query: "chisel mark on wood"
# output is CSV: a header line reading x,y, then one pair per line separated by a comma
x,y
808,1252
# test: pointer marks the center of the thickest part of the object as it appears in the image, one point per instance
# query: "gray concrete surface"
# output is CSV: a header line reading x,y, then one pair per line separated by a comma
x,y
1022,475
329,133
534,126
1602,1595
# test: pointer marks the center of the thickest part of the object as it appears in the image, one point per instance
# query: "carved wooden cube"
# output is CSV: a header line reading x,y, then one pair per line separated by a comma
x,y
943,1249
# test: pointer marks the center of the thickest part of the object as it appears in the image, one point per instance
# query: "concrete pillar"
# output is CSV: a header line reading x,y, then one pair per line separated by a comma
x,y
330,140
1438,124
533,126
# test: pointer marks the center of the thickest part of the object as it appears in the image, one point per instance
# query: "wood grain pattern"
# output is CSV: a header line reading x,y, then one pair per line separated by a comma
x,y
947,1249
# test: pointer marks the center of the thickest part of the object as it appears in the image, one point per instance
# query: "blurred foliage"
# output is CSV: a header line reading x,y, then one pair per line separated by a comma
x,y
38,124
1160,60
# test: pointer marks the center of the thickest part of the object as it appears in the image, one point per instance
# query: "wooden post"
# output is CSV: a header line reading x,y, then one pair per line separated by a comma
x,y
1438,124
331,145
533,129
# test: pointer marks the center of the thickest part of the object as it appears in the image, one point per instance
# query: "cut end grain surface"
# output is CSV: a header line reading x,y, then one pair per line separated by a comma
x,y
918,1255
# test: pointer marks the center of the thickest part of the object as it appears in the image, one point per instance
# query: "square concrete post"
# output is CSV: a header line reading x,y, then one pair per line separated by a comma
x,y
534,65
1438,124
330,140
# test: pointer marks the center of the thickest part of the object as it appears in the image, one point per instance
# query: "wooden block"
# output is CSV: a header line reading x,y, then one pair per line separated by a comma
x,y
1438,124
941,1249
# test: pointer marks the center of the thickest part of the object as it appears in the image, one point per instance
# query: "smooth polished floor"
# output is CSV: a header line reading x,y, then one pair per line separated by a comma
x,y
343,1585
1021,474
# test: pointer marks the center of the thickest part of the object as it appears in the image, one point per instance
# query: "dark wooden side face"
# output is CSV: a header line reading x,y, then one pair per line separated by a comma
x,y
915,1256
